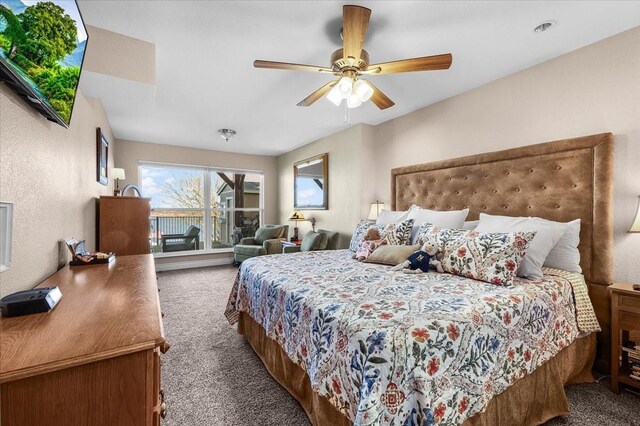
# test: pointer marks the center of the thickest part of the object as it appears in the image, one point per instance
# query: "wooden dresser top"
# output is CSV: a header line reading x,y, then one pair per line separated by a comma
x,y
105,311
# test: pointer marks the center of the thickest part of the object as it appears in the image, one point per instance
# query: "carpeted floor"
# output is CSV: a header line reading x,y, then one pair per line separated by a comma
x,y
212,377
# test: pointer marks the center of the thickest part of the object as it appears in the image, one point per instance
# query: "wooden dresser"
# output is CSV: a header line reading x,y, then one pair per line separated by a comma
x,y
95,358
123,225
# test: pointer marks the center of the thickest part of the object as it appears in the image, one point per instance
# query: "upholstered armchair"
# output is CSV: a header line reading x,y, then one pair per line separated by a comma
x,y
268,240
312,241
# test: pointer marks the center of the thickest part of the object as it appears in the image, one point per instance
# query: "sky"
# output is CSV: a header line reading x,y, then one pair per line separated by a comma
x,y
153,178
72,10
309,194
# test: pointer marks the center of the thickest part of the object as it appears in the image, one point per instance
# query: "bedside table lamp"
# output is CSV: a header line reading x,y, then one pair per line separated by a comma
x,y
296,217
376,208
635,226
117,174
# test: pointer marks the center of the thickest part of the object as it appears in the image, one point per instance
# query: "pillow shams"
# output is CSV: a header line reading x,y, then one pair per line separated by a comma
x,y
565,254
443,219
489,257
547,235
387,217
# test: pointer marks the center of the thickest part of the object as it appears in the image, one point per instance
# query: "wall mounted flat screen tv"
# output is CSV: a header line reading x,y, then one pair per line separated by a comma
x,y
42,45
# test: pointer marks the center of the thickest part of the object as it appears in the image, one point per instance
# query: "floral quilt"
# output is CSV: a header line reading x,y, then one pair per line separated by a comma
x,y
404,349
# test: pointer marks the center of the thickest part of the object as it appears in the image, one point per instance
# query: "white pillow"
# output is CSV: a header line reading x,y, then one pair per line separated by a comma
x,y
387,217
451,219
565,254
547,235
470,225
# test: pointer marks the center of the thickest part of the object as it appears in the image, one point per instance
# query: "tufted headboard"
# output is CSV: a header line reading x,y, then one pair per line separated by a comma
x,y
561,181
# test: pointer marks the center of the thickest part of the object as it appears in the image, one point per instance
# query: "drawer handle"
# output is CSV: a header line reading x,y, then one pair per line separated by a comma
x,y
163,410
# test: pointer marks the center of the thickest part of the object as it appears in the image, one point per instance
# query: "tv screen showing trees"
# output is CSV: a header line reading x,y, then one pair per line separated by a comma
x,y
42,45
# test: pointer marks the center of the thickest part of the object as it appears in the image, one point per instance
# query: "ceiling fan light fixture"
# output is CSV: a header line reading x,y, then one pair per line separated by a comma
x,y
353,101
363,90
335,96
345,84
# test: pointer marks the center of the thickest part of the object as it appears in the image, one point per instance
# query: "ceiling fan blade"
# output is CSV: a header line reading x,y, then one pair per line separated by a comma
x,y
381,100
318,93
287,66
426,63
355,21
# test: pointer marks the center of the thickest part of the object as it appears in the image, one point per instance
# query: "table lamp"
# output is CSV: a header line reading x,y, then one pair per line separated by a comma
x,y
635,226
117,174
296,217
376,208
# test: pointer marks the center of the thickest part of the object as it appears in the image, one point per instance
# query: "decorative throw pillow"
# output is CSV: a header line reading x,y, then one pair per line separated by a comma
x,y
398,233
489,257
547,235
391,254
361,230
313,241
443,236
453,219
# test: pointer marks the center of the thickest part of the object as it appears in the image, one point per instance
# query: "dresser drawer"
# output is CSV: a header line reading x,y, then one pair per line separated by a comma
x,y
629,303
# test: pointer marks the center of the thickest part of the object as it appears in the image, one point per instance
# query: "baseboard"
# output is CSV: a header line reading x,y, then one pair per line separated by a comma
x,y
173,266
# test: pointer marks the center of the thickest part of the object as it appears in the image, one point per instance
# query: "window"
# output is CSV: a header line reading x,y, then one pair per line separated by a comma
x,y
196,209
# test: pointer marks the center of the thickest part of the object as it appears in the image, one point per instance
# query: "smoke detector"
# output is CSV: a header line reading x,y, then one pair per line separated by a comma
x,y
226,134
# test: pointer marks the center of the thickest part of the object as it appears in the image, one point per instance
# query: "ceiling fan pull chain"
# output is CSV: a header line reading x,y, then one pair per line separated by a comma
x,y
347,114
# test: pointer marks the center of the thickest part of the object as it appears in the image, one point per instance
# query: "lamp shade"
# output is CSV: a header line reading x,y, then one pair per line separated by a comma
x,y
376,208
296,216
117,173
635,226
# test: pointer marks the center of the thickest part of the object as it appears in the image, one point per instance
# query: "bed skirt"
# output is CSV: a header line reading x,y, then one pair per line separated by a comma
x,y
532,400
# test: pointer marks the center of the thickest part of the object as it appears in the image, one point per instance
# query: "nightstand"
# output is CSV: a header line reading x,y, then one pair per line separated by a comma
x,y
625,317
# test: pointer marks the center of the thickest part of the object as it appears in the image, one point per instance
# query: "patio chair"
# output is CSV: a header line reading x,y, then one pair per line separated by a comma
x,y
190,240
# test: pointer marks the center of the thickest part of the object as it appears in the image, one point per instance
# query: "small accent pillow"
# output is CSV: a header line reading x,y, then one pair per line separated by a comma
x,y
489,257
361,230
391,254
313,241
398,233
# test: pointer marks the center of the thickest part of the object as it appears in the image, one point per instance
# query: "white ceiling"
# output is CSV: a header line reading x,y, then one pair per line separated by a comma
x,y
204,52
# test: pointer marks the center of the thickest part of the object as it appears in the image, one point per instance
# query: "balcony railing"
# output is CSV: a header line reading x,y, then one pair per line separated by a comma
x,y
224,234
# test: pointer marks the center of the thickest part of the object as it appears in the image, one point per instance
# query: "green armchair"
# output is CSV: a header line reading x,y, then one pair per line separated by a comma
x,y
268,240
312,241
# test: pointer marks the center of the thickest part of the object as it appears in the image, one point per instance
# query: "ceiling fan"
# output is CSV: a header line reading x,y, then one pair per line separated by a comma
x,y
351,63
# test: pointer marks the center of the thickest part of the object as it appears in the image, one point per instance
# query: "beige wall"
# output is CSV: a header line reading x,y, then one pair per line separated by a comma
x,y
129,153
49,174
591,90
349,153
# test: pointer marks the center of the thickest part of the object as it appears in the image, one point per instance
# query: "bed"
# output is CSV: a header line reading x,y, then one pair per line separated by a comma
x,y
360,344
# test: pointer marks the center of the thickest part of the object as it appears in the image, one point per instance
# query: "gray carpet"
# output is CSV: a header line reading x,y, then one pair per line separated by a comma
x,y
211,376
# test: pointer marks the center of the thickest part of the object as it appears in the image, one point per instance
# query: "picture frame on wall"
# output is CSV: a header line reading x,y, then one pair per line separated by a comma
x,y
102,165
